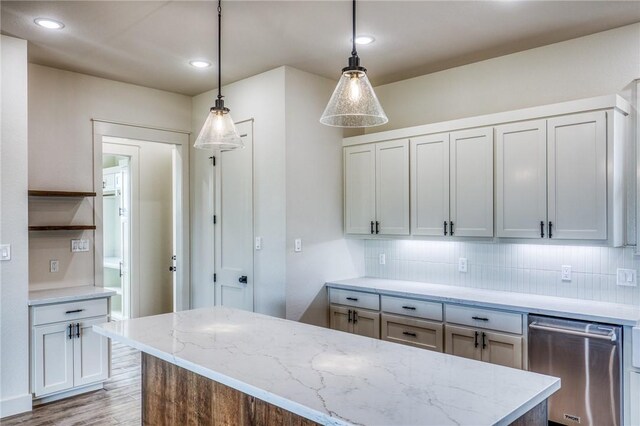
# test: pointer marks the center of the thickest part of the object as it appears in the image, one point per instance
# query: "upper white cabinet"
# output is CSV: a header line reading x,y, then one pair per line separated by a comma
x,y
552,178
377,188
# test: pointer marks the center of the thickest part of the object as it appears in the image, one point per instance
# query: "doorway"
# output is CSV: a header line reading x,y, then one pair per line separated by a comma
x,y
142,216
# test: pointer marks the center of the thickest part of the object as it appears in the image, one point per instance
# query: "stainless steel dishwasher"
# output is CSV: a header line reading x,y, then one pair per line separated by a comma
x,y
587,358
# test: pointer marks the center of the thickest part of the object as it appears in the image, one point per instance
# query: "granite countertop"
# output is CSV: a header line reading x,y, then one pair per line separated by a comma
x,y
333,377
587,310
67,294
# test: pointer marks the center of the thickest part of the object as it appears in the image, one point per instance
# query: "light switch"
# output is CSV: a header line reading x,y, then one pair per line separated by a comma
x,y
5,251
382,259
297,245
566,272
79,245
462,264
54,266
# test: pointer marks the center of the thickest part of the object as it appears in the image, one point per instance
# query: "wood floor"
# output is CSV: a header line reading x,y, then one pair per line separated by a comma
x,y
117,404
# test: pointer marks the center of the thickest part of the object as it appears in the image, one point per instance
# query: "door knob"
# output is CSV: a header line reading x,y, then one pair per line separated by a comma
x,y
243,279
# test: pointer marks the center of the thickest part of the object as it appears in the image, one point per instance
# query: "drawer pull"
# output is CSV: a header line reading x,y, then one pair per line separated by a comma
x,y
480,318
354,299
408,333
75,311
411,308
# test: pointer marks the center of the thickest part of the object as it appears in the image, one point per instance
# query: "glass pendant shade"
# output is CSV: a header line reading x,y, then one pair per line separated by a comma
x,y
219,132
354,103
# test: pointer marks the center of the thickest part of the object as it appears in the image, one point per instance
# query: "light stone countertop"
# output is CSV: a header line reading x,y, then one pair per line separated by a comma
x,y
67,294
587,310
332,377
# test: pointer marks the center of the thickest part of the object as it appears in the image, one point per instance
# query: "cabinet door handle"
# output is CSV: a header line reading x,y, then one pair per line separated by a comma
x,y
349,320
451,228
355,316
372,227
480,318
407,333
70,327
75,311
445,227
550,229
484,344
354,299
411,308
541,229
78,330
377,227
475,340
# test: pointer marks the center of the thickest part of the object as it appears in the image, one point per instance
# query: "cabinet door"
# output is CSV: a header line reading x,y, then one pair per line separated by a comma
x,y
412,332
578,176
502,349
359,188
521,179
462,341
52,352
90,353
339,318
366,323
430,184
472,182
392,187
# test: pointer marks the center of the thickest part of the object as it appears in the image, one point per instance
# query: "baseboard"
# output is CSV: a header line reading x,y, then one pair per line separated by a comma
x,y
15,405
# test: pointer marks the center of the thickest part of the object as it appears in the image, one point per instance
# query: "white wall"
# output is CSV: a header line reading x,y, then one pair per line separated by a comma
x,y
600,64
14,319
260,98
61,106
314,200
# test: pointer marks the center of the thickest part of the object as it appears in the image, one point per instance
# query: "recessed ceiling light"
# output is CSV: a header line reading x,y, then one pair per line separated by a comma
x,y
365,39
199,63
49,23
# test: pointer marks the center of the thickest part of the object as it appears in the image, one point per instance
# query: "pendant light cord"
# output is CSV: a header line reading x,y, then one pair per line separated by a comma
x,y
353,38
220,48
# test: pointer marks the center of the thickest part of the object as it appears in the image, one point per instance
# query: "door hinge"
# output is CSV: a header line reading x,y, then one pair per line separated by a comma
x,y
215,278
215,219
213,160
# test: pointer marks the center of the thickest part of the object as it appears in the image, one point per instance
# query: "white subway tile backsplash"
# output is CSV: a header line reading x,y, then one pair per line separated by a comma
x,y
522,268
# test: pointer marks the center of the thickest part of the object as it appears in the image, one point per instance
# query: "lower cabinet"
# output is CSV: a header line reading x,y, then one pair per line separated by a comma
x,y
65,351
412,332
363,322
483,345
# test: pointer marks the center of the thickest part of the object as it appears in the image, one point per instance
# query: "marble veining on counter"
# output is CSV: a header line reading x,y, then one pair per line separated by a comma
x,y
68,294
333,377
587,310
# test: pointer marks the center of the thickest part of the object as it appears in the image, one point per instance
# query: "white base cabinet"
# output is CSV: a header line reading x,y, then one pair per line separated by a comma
x,y
66,353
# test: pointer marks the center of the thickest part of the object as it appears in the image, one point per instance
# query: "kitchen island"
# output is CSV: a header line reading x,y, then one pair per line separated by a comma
x,y
226,366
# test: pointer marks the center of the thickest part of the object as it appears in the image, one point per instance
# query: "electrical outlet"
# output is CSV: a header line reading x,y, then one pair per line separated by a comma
x,y
5,251
462,264
258,243
297,245
627,277
566,272
54,266
382,259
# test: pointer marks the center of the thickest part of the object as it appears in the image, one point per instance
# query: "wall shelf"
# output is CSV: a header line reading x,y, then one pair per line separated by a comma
x,y
62,228
70,194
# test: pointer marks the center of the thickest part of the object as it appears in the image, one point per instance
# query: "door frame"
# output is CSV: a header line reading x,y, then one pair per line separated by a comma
x,y
180,139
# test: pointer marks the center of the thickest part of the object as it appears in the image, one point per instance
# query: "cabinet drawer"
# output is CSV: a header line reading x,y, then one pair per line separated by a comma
x,y
69,311
354,298
412,307
413,332
484,318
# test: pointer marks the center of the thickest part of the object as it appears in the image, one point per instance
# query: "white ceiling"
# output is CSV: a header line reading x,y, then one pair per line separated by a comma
x,y
150,42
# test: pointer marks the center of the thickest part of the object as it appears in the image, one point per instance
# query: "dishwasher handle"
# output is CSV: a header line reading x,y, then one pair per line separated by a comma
x,y
611,336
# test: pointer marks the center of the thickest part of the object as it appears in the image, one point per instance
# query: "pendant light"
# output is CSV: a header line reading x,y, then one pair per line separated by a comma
x,y
354,103
218,131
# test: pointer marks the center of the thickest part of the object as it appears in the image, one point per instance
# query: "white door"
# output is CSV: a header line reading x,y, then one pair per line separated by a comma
x,y
472,183
430,185
521,180
90,353
392,187
53,358
360,189
578,176
234,224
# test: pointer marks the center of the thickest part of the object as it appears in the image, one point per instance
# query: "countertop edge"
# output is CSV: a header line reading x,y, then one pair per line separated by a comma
x,y
340,284
238,385
533,402
48,300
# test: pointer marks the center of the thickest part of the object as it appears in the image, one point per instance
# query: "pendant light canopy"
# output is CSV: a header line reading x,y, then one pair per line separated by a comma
x,y
219,132
354,103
